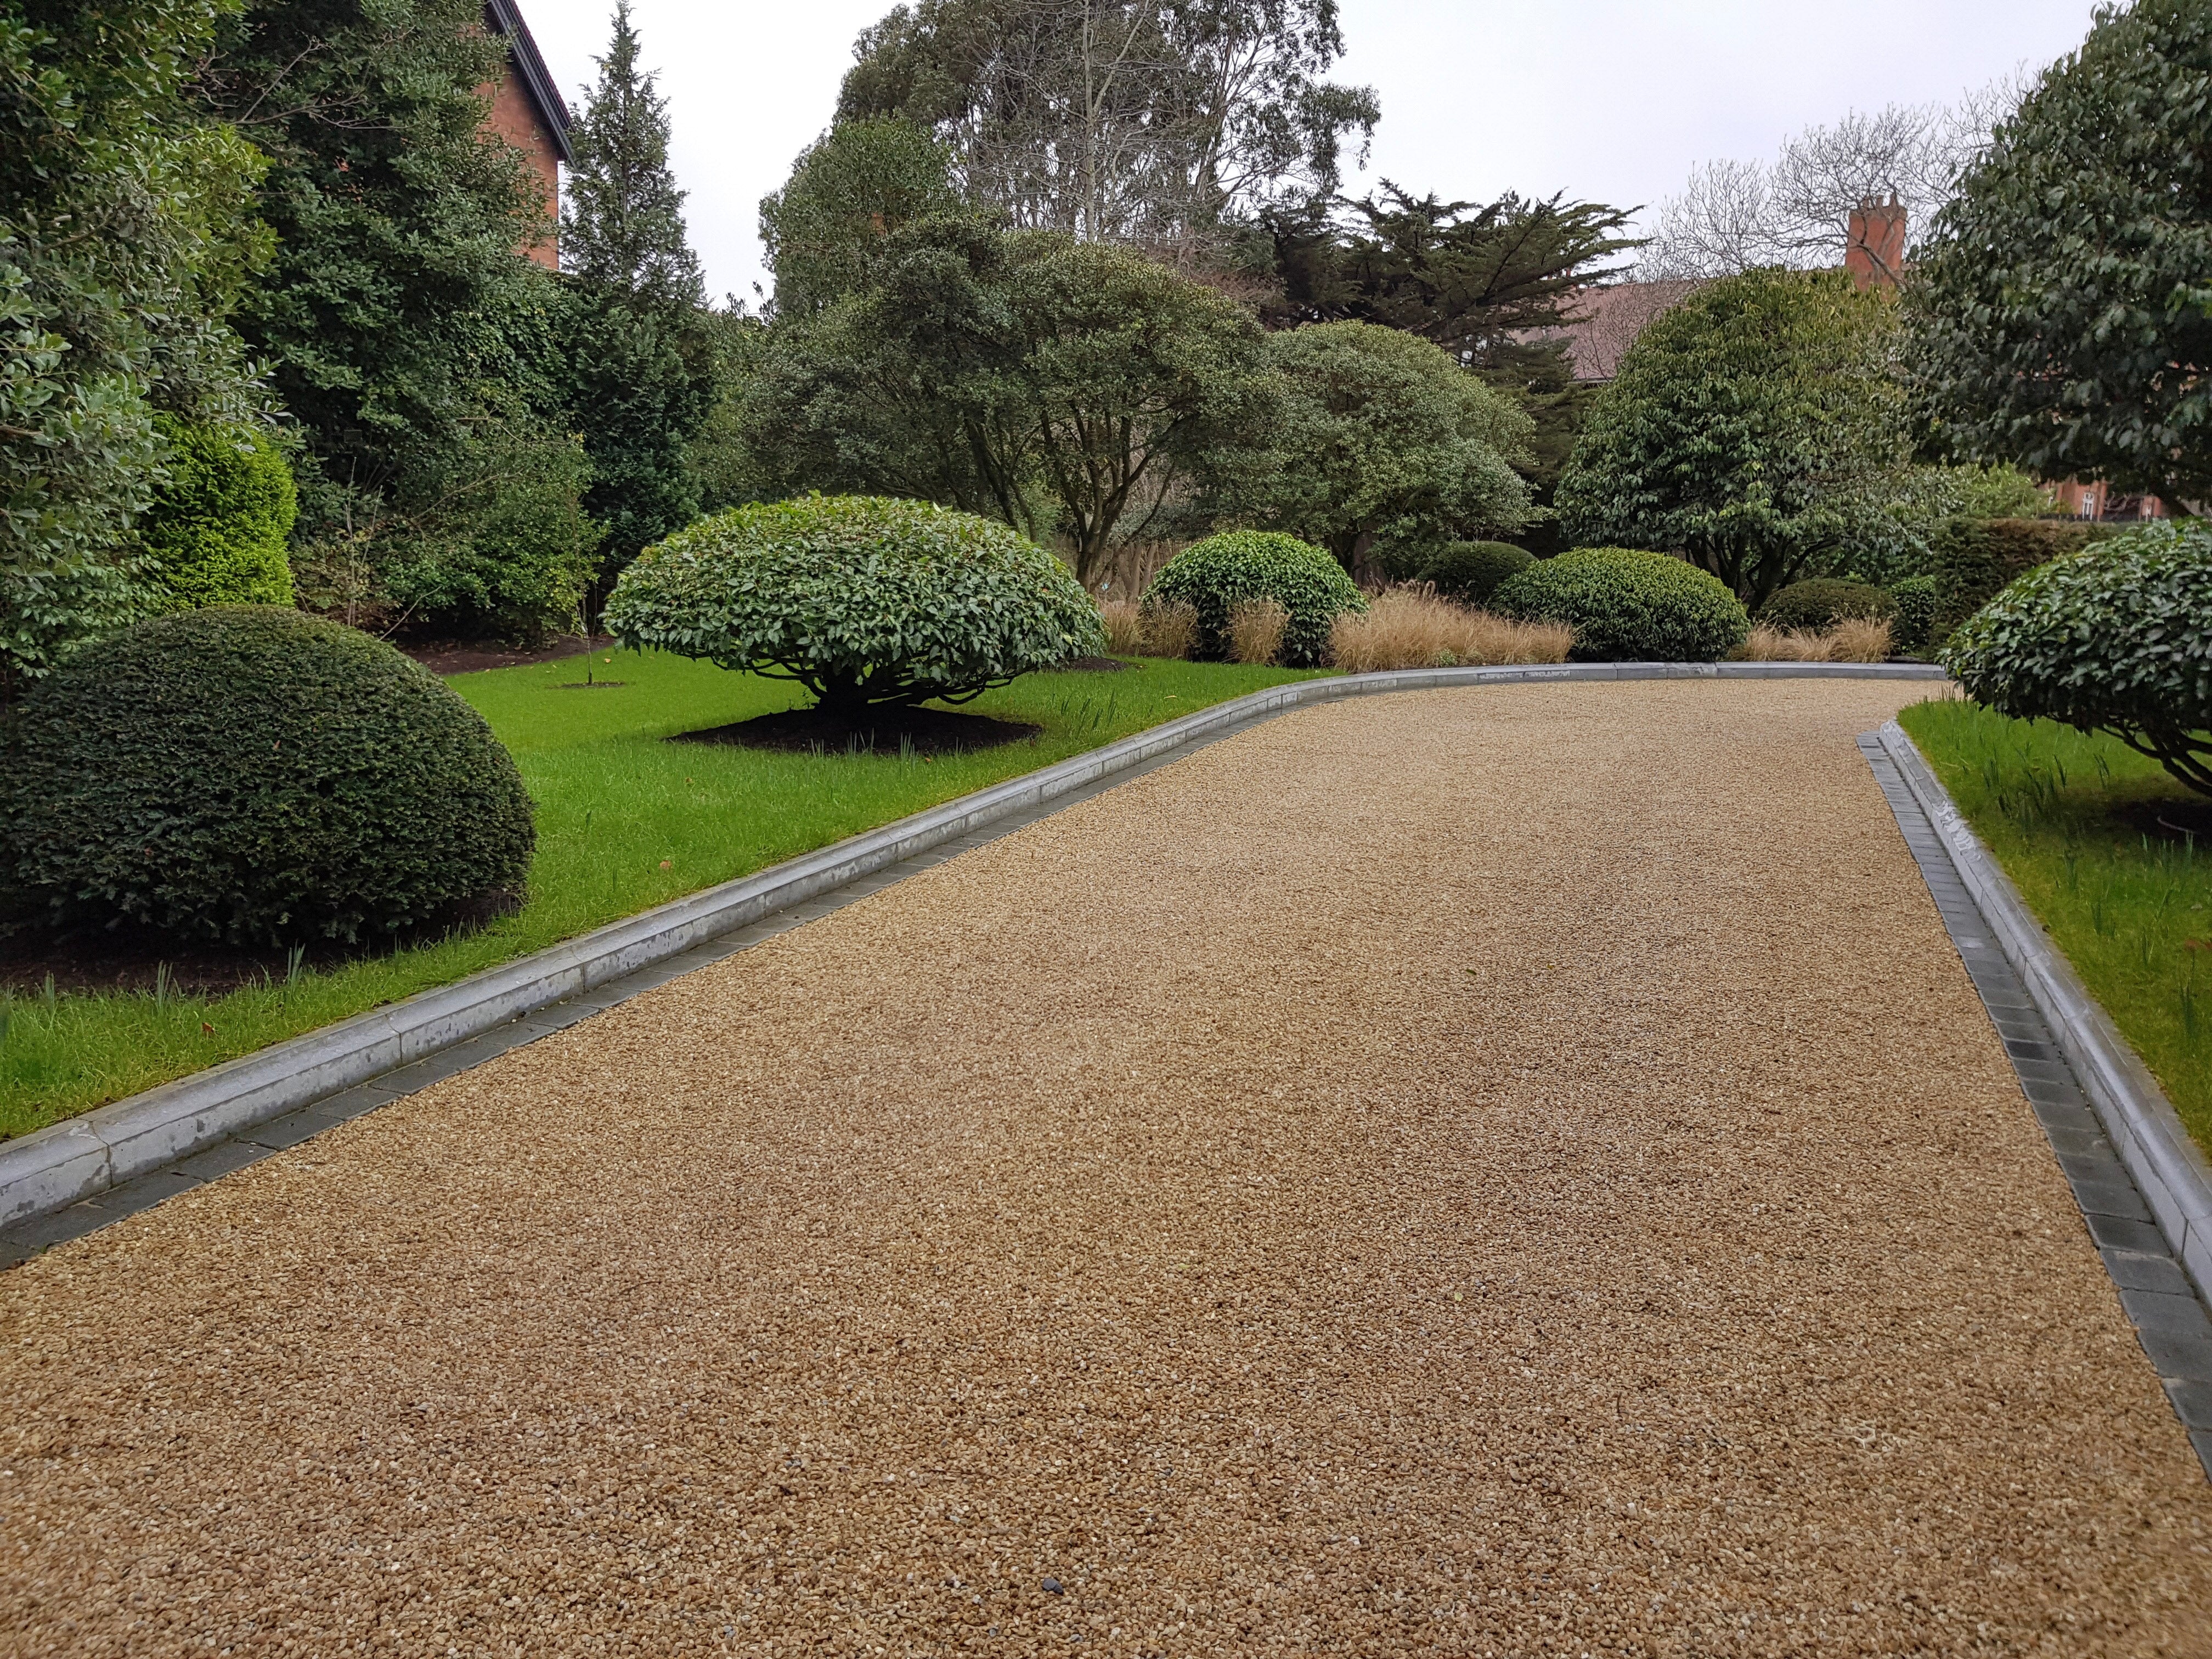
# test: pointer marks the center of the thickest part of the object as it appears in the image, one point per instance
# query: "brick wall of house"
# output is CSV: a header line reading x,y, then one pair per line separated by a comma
x,y
515,118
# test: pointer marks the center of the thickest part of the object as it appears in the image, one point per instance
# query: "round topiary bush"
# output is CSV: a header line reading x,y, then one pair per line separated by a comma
x,y
1626,605
1917,599
219,526
1216,575
864,600
2117,638
251,775
1470,572
1818,603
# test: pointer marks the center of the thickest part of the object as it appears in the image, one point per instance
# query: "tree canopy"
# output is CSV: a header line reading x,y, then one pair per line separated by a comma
x,y
847,192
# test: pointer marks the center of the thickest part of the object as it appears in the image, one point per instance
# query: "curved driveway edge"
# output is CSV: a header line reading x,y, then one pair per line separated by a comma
x,y
72,1161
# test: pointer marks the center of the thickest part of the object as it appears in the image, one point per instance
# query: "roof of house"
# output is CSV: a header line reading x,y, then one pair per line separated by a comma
x,y
504,17
1603,322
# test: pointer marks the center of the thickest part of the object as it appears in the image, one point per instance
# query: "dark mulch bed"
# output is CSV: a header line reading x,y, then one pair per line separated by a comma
x,y
930,731
473,656
2177,821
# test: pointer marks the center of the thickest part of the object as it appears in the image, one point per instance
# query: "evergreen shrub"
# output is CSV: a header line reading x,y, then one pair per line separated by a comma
x,y
1216,575
1628,605
218,528
1820,602
252,775
1976,558
1912,628
1469,572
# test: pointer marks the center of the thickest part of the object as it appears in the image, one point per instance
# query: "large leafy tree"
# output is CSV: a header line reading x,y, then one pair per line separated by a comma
x,y
1755,427
125,231
2061,308
848,190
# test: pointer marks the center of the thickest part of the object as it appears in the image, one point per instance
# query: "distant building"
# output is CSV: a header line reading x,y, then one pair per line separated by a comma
x,y
527,112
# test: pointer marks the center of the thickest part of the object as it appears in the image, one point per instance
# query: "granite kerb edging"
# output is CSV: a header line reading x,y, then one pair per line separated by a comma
x,y
83,1156
2168,1166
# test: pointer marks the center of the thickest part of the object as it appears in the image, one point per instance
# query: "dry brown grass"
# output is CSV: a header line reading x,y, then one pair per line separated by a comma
x,y
1852,639
1861,638
1410,627
1256,630
1125,627
1170,630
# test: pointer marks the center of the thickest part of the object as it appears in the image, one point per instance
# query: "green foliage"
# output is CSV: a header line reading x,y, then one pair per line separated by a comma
x,y
1754,428
1975,559
1913,629
1818,603
2117,638
861,600
246,775
1470,572
622,226
1626,605
724,470
125,230
1382,437
2058,304
218,527
1216,575
848,190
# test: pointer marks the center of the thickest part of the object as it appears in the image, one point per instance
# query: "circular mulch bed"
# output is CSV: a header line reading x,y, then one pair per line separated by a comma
x,y
887,731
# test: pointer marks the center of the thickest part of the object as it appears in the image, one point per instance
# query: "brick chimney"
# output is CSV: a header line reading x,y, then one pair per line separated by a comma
x,y
1876,253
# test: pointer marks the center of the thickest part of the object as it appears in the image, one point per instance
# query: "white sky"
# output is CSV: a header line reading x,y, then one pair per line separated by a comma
x,y
1610,100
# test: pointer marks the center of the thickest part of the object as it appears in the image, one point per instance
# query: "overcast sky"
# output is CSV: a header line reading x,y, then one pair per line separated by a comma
x,y
1610,100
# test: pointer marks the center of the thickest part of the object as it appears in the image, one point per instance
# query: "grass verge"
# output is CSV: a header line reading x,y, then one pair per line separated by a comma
x,y
2075,822
625,822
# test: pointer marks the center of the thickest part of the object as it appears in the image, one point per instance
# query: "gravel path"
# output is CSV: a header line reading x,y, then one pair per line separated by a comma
x,y
1509,1171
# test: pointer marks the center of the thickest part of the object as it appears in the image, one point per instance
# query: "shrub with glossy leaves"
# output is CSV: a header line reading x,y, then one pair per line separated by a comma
x,y
2115,638
252,775
1821,602
1469,572
861,598
1216,575
1627,606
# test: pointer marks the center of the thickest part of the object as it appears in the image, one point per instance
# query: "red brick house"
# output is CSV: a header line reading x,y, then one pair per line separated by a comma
x,y
526,110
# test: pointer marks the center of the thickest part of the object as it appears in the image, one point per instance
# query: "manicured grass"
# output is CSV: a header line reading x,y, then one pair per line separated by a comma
x,y
625,821
2072,818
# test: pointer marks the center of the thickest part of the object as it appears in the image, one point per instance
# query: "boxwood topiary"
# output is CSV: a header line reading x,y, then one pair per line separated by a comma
x,y
218,527
1469,572
2115,638
252,775
861,600
1913,631
1626,605
1220,573
1820,602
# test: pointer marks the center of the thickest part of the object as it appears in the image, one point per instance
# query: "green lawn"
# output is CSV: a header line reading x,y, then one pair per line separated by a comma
x,y
624,822
2073,821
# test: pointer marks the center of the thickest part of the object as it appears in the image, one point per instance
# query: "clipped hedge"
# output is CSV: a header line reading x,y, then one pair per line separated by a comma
x,y
1216,575
1912,628
1820,602
1628,605
2115,638
219,526
1469,572
252,775
862,599
1975,559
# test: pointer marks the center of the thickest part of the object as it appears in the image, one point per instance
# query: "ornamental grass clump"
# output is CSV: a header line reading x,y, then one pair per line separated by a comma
x,y
2117,638
1170,630
247,775
1216,575
1124,623
1411,626
1256,630
864,600
1627,606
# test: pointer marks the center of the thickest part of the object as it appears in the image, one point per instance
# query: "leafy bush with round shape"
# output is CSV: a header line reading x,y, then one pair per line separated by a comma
x,y
1216,575
1916,599
1818,603
2115,638
1626,605
251,775
219,527
1469,572
861,598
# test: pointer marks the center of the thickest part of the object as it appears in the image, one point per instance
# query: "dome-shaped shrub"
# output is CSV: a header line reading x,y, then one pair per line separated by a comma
x,y
253,775
1216,575
1626,605
219,525
2117,638
1818,603
1469,572
1916,599
861,600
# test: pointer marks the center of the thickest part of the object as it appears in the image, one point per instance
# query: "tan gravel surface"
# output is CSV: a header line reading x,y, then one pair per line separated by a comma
x,y
1507,1171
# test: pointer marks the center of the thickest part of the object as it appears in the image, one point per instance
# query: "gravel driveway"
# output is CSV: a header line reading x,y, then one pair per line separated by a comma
x,y
1504,1171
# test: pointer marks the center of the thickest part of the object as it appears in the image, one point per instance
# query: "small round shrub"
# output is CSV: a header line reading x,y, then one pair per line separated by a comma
x,y
1818,603
1469,572
1626,605
219,527
251,775
2115,638
1913,628
1216,575
861,600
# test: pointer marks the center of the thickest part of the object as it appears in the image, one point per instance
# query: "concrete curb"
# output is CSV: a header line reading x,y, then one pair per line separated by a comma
x,y
2168,1166
64,1162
